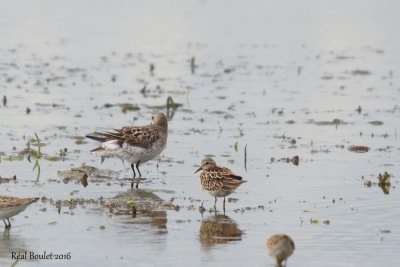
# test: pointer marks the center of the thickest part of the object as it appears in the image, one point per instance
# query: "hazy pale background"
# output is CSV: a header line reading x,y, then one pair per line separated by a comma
x,y
269,72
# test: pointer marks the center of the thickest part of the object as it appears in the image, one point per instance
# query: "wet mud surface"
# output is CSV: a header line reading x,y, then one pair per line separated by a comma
x,y
313,129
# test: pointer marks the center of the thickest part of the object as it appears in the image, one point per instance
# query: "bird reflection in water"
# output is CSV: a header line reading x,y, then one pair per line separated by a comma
x,y
9,243
139,207
218,229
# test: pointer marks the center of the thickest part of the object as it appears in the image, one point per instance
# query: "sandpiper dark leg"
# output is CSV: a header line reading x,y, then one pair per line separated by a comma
x,y
215,204
224,204
134,175
140,175
8,226
137,167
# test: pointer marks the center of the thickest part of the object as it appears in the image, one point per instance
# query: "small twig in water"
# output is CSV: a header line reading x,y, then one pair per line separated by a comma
x,y
245,157
37,155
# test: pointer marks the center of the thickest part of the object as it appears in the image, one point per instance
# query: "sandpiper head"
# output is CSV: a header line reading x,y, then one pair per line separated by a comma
x,y
160,119
206,164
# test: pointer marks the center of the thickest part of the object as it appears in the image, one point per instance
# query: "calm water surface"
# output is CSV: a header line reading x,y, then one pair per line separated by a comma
x,y
307,79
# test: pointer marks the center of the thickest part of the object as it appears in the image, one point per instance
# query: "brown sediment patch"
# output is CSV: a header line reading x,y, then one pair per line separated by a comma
x,y
134,206
141,207
141,199
77,174
358,149
70,203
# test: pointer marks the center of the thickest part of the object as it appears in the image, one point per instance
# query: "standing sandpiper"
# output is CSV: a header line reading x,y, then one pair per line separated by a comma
x,y
280,247
135,144
218,181
11,206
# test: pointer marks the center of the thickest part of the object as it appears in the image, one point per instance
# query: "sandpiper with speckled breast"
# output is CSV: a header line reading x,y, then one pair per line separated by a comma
x,y
218,181
135,144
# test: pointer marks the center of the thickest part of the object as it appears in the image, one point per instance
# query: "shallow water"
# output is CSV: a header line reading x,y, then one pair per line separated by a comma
x,y
280,80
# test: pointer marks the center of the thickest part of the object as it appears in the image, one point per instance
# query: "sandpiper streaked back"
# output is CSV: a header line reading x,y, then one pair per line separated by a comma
x,y
218,181
280,247
135,144
11,206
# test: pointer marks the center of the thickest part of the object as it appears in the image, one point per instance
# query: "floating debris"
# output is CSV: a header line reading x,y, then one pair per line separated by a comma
x,y
235,146
142,207
193,65
7,180
375,123
316,221
320,150
299,69
79,140
131,203
151,68
77,174
327,77
125,107
83,180
383,182
143,90
245,157
17,157
171,107
36,154
360,72
201,208
335,122
327,222
294,160
359,149
229,70
52,158
71,203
